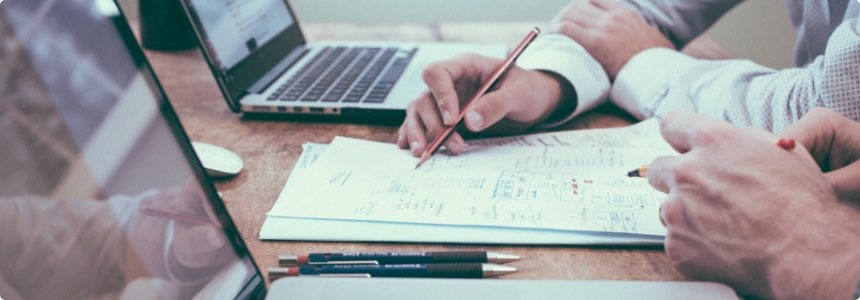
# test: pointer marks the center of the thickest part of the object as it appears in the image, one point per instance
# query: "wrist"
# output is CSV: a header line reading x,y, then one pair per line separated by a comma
x,y
562,96
834,270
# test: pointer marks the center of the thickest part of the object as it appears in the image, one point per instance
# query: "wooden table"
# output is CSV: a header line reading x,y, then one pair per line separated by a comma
x,y
271,148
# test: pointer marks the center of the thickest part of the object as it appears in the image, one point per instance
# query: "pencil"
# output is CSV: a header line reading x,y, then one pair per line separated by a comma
x,y
787,144
174,216
496,78
640,172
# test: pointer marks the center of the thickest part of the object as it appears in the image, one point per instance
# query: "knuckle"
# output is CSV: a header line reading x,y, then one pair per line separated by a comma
x,y
709,134
672,210
687,172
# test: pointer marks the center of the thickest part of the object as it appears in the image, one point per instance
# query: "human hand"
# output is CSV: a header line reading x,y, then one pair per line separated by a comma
x,y
178,236
750,214
834,142
610,32
525,98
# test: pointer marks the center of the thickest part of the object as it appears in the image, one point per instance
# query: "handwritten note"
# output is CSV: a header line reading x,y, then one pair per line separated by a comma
x,y
563,180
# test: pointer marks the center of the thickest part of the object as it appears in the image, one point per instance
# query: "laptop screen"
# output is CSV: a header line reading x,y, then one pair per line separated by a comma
x,y
244,41
102,196
241,27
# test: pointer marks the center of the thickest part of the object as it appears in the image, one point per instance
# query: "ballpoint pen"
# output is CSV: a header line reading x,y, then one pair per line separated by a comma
x,y
455,270
488,85
396,258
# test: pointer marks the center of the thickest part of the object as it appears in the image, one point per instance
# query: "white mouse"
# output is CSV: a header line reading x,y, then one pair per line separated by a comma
x,y
218,161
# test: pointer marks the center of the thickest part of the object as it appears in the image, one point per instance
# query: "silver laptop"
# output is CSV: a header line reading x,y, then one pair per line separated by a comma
x,y
264,65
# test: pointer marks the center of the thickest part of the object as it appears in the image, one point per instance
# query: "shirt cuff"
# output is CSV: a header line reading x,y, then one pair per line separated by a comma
x,y
563,56
645,80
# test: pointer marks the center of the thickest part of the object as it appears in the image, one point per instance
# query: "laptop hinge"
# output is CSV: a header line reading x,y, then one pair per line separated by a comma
x,y
279,68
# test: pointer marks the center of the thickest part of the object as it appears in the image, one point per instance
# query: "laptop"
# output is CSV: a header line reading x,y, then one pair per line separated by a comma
x,y
103,196
264,65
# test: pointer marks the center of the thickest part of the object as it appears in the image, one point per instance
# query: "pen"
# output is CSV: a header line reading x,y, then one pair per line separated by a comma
x,y
377,258
493,80
459,270
787,144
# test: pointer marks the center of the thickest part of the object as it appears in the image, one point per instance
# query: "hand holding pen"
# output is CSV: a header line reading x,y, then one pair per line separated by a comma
x,y
525,98
786,144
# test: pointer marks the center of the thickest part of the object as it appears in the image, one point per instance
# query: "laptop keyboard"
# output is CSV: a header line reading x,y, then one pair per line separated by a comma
x,y
346,74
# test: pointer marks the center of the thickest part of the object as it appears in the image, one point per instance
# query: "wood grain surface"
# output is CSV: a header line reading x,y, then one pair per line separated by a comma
x,y
270,149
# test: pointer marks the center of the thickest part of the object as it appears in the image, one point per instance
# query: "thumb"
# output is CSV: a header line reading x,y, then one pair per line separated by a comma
x,y
486,111
201,246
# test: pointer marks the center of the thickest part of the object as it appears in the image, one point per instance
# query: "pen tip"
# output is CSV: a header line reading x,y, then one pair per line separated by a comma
x,y
493,270
495,257
634,173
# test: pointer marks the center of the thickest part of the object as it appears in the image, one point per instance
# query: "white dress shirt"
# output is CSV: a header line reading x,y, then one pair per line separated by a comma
x,y
660,80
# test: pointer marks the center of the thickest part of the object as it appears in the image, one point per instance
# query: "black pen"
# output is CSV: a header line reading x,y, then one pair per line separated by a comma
x,y
461,270
396,258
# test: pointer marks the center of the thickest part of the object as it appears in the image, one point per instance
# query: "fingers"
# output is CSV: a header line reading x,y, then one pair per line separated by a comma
x,y
442,78
413,127
831,138
684,129
192,245
816,132
606,4
488,110
573,21
844,182
422,124
660,174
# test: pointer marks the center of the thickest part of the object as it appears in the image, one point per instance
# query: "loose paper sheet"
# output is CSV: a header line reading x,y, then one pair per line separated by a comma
x,y
574,180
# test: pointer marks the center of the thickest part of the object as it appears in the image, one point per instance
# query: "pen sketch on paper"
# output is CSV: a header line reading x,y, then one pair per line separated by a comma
x,y
562,181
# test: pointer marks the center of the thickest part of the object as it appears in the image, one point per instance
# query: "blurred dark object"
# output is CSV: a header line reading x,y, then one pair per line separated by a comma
x,y
164,26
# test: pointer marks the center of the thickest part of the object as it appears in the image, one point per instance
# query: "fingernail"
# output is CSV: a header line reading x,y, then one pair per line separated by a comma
x,y
446,117
414,146
475,120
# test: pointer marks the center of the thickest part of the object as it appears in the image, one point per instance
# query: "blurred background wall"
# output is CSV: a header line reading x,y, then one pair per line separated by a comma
x,y
758,30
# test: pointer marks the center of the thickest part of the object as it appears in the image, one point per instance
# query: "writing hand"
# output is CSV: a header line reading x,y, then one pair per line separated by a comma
x,y
524,98
195,250
746,216
834,142
610,32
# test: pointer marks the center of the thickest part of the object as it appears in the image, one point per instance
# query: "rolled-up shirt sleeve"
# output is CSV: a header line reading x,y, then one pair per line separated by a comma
x,y
561,55
657,81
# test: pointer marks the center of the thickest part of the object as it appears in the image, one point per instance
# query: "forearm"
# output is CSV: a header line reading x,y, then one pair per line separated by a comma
x,y
68,244
657,81
831,269
681,20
